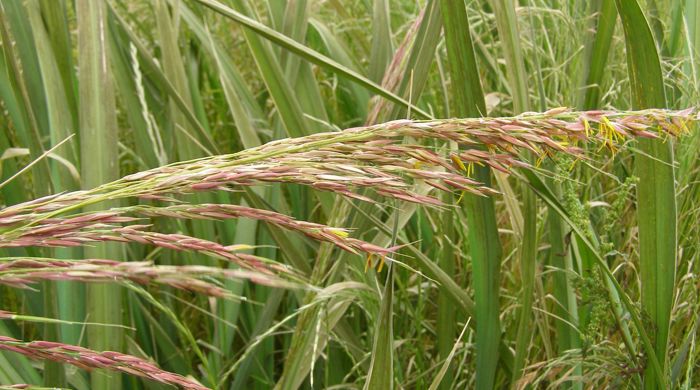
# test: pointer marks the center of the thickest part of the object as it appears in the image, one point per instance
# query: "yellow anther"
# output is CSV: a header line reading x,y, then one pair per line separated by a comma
x,y
540,159
610,135
470,169
681,127
587,127
240,247
381,264
460,197
573,165
458,162
684,126
339,232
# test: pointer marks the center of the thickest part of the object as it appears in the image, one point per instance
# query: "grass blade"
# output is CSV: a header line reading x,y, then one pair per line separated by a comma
x,y
381,370
309,54
484,244
508,32
544,193
656,197
598,57
98,133
382,49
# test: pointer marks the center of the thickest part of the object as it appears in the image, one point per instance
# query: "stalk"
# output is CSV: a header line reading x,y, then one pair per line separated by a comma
x,y
25,79
484,244
382,48
381,370
41,72
656,196
99,146
508,31
446,317
408,72
598,55
60,299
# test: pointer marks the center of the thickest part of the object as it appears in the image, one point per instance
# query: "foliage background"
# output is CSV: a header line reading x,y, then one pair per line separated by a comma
x,y
140,84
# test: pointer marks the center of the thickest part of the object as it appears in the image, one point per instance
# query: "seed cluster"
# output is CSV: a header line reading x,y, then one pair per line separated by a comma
x,y
88,359
377,157
102,226
389,160
21,272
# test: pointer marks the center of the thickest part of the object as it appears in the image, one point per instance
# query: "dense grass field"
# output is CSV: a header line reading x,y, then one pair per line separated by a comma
x,y
349,194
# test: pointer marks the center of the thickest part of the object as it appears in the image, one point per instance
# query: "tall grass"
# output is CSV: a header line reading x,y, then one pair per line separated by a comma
x,y
293,213
484,243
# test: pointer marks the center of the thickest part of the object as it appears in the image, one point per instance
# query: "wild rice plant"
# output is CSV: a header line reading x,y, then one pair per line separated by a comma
x,y
252,243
